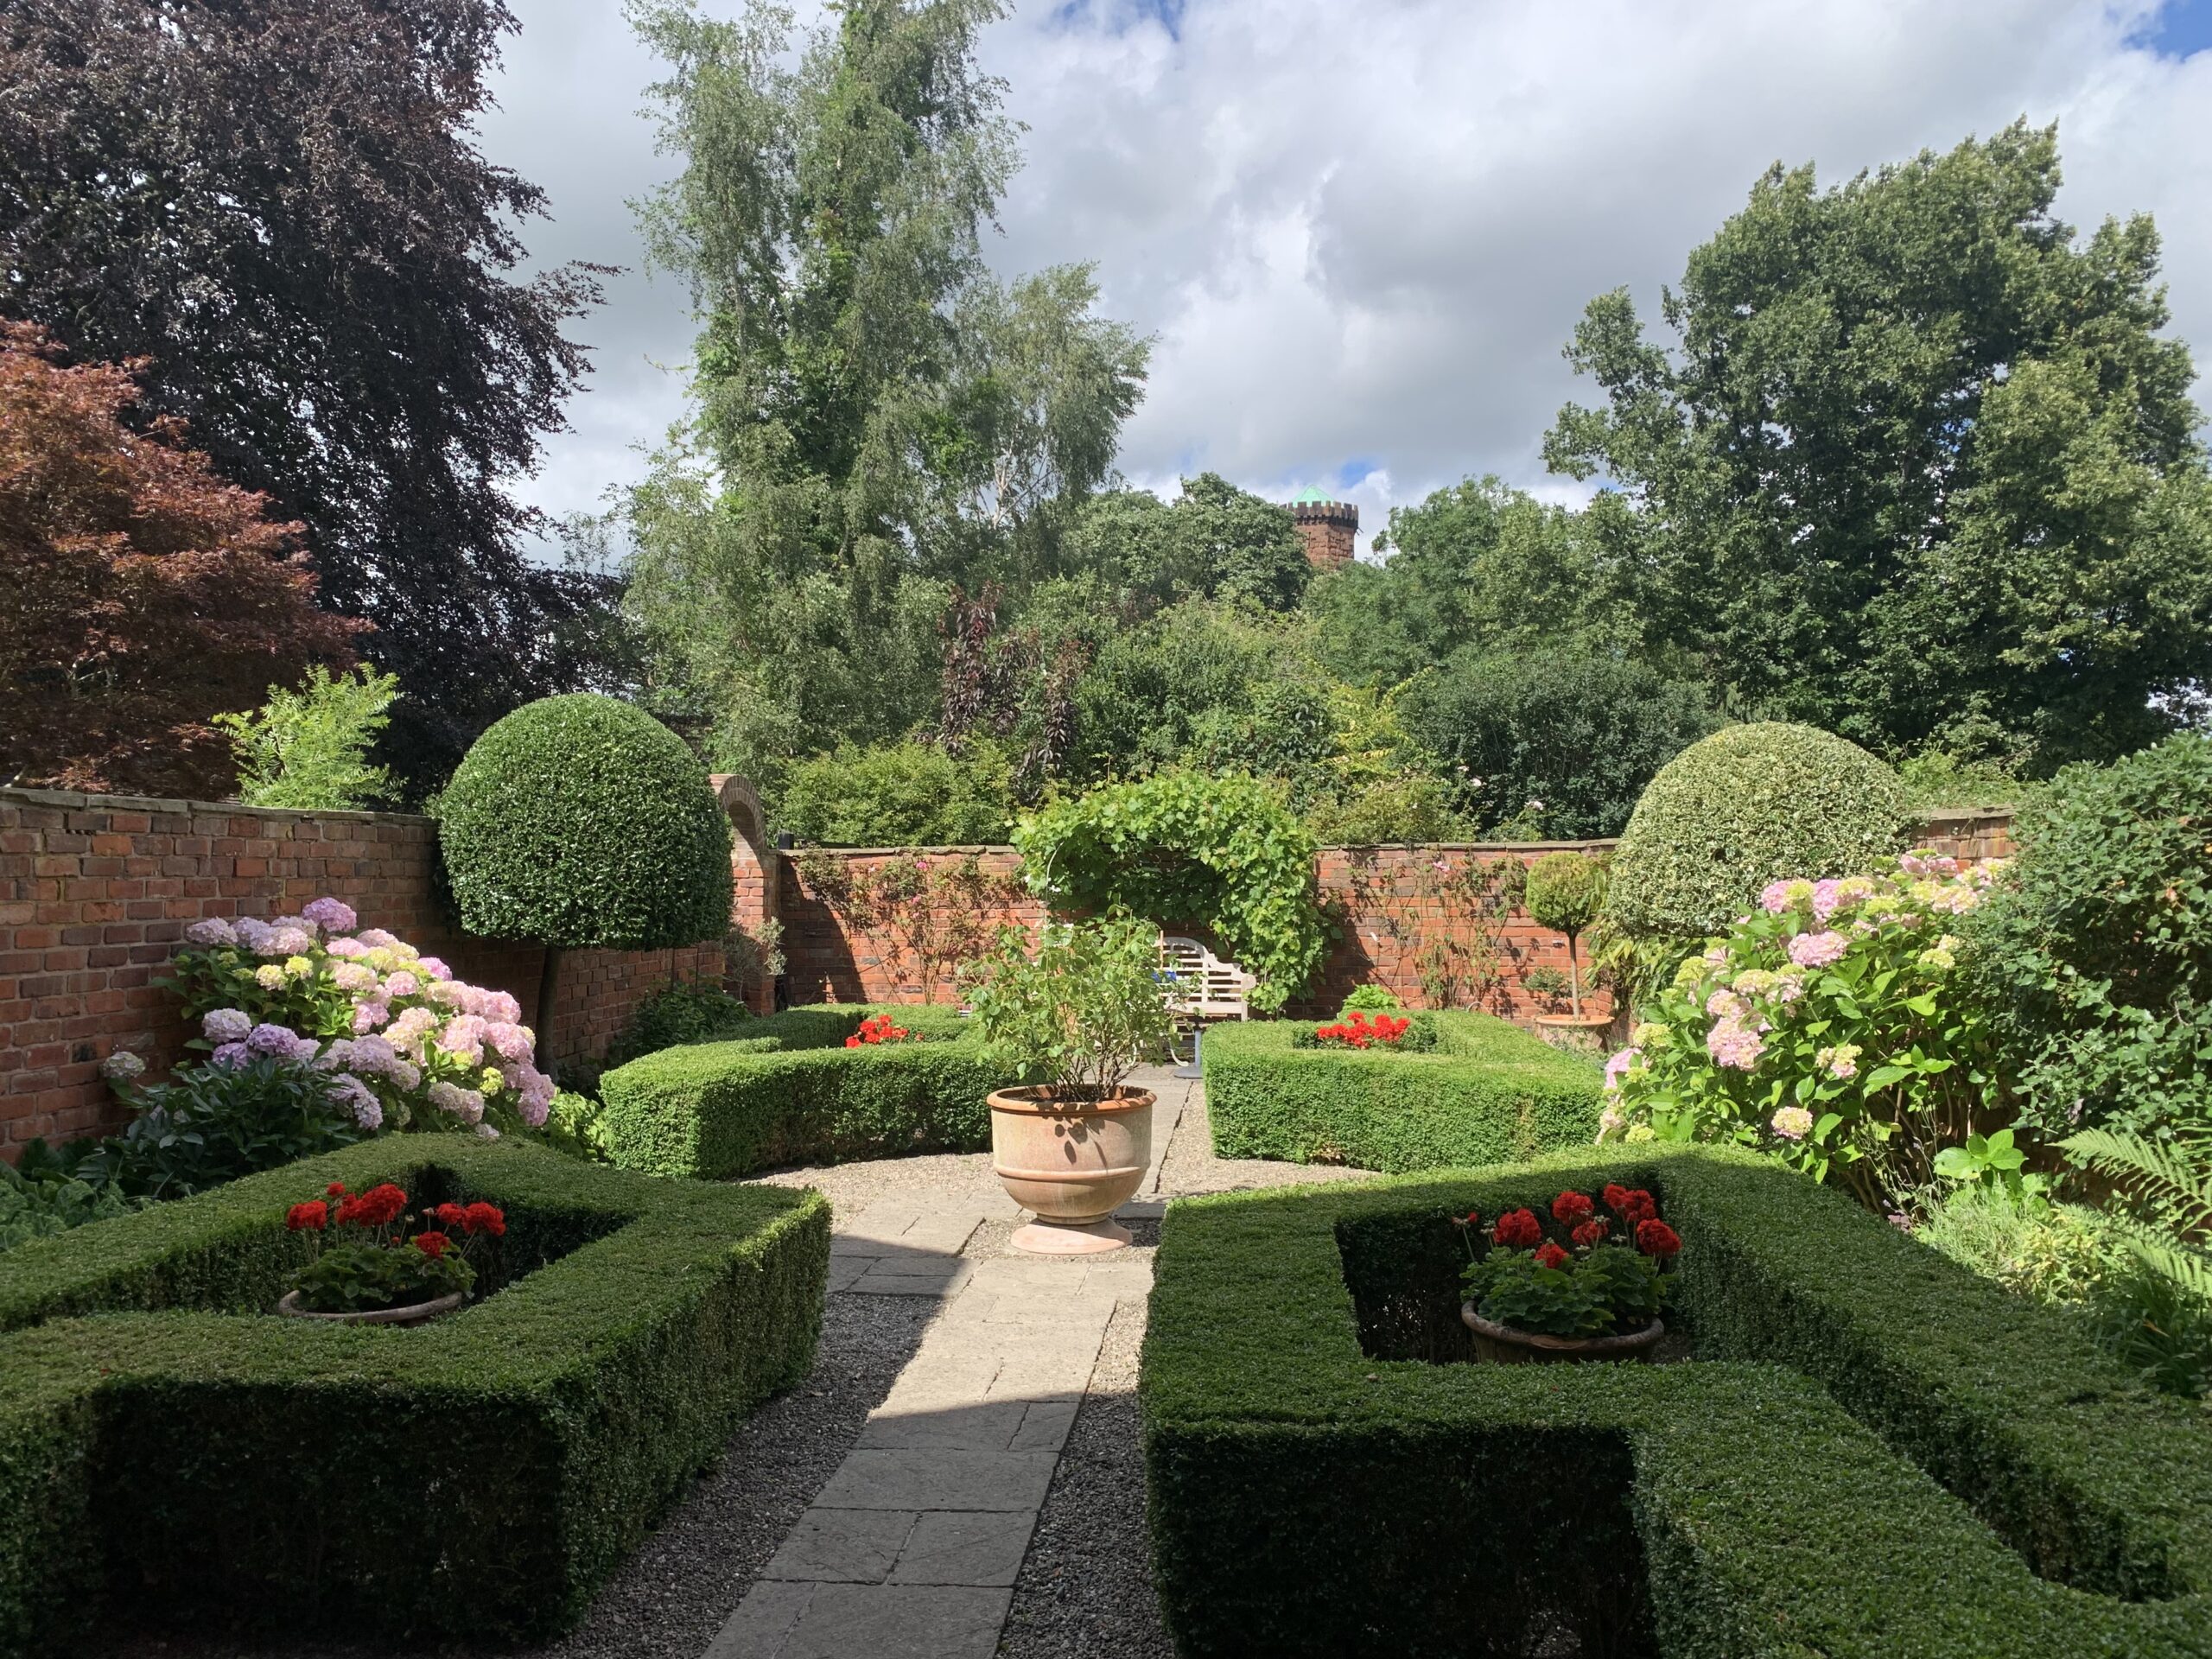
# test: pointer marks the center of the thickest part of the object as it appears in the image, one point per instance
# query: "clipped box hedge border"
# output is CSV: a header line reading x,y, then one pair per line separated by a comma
x,y
1490,1093
166,1439
789,1091
1871,1449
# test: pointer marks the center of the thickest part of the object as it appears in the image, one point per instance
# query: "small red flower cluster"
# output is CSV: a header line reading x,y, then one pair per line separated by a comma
x,y
1638,1211
478,1217
1359,1032
878,1028
379,1204
384,1203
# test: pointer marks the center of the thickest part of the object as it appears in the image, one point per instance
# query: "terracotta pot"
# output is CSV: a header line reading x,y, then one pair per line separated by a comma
x,y
1501,1345
413,1314
1072,1162
1577,1033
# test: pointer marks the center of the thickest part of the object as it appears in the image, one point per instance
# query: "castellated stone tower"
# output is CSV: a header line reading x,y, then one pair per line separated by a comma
x,y
1331,529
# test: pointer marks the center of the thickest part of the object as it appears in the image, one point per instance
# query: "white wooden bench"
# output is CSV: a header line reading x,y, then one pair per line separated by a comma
x,y
1204,988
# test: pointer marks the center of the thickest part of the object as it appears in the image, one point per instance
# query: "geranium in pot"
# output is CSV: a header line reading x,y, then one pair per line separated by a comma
x,y
1588,1281
1071,1142
377,1262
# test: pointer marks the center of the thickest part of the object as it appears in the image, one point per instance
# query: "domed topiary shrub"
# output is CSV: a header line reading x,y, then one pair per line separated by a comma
x,y
581,821
1748,806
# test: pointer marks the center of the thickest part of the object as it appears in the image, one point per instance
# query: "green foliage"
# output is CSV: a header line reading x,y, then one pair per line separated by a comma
x,y
581,821
1935,778
792,1093
1748,806
1371,998
518,1450
2095,958
1214,541
1877,1453
1221,853
1920,468
878,418
1082,1012
356,1278
908,794
1608,1290
2170,1184
42,1193
1566,892
1830,1029
576,1124
209,1124
308,749
1487,1093
2060,1254
1558,742
697,1012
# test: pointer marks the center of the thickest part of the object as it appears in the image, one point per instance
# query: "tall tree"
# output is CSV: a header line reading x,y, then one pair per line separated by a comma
x,y
877,418
140,594
1920,469
282,208
1214,541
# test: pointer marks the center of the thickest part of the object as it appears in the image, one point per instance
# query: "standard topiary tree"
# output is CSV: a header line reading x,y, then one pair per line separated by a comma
x,y
1566,892
580,821
1748,806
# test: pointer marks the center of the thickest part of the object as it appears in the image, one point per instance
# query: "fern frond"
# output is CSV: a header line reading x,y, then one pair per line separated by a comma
x,y
2173,1179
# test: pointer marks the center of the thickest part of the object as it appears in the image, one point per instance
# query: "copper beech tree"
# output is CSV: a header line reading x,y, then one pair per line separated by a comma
x,y
140,594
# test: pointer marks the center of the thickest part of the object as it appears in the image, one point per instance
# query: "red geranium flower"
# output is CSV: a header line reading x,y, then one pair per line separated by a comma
x,y
450,1214
1570,1207
1518,1230
1590,1235
1655,1237
1616,1195
1635,1205
432,1244
481,1217
1550,1256
307,1217
335,1190
852,1042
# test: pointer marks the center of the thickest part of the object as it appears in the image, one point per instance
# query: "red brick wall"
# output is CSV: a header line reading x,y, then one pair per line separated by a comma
x,y
827,961
96,891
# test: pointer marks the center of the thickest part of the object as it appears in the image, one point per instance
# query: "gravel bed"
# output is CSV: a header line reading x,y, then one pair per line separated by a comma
x,y
670,1597
1085,1587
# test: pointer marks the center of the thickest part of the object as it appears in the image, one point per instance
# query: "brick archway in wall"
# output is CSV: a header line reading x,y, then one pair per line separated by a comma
x,y
752,868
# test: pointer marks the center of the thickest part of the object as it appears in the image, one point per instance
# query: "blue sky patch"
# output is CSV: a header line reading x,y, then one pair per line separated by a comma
x,y
2182,28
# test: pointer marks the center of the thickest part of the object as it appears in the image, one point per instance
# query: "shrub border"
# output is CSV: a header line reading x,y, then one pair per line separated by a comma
x,y
1502,1096
1308,1498
479,1477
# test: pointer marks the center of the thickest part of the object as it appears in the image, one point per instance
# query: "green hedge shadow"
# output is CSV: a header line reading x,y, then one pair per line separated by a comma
x,y
1490,1093
170,1448
1874,1453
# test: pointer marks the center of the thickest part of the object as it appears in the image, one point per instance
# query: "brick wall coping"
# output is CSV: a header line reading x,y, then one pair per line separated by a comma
x,y
1955,814
76,800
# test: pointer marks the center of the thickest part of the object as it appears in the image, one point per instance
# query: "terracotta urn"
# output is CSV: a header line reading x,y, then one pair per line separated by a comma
x,y
1501,1345
1576,1033
1071,1161
412,1313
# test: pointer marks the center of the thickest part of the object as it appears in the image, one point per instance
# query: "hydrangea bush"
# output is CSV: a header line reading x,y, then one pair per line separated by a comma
x,y
406,1043
1827,1027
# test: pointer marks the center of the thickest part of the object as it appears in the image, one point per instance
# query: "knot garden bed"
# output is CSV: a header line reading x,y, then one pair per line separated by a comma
x,y
1489,1093
171,1451
1874,1452
790,1091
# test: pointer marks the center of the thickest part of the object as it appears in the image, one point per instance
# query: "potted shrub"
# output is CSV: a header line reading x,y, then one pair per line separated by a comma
x,y
1070,1140
1588,1281
1566,893
377,1262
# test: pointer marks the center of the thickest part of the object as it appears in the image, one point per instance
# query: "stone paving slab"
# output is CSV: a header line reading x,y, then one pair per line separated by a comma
x,y
939,1477
864,1621
948,1547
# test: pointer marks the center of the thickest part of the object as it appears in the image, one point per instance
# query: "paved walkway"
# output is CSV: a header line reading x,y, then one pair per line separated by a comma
x,y
913,1545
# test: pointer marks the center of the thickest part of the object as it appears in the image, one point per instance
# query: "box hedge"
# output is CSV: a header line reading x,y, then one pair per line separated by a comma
x,y
789,1091
1873,1452
173,1453
1489,1093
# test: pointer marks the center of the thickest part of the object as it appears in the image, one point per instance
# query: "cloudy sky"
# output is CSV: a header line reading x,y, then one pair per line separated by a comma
x,y
1361,230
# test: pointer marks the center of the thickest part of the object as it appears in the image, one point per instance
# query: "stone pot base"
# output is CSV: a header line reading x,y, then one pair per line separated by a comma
x,y
1501,1345
413,1314
1062,1238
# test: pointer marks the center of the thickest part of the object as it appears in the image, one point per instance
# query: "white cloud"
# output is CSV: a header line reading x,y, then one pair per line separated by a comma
x,y
1363,233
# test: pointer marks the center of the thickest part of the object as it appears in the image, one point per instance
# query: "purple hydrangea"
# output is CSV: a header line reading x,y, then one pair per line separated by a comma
x,y
231,1056
226,1025
280,1043
332,915
212,932
358,1098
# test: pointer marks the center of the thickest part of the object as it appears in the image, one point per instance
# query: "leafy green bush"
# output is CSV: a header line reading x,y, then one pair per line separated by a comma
x,y
1371,998
208,1124
1829,1029
1748,806
474,1482
792,1093
1182,849
1879,1453
1079,1014
1488,1093
909,794
43,1193
1579,734
2094,960
581,821
697,1012
2057,1254
309,749
1566,892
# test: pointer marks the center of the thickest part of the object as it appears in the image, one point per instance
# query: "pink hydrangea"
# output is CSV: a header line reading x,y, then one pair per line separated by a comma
x,y
434,968
1774,898
369,1013
354,977
1734,1045
377,939
464,1035
448,993
1617,1067
510,1042
350,949
402,983
212,932
1791,1122
1824,900
500,1008
226,1025
1726,1005
331,915
1817,949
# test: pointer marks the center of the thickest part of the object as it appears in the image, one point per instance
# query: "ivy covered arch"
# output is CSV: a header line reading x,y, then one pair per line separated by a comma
x,y
1223,853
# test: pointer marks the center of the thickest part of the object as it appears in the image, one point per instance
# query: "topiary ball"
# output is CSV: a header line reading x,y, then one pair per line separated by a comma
x,y
1748,806
583,821
1566,892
